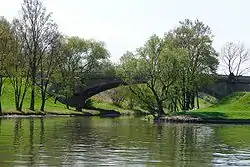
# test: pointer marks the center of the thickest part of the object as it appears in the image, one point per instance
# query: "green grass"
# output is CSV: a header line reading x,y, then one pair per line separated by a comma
x,y
204,102
109,106
8,105
235,106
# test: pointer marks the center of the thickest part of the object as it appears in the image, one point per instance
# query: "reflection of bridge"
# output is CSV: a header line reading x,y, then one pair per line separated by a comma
x,y
220,88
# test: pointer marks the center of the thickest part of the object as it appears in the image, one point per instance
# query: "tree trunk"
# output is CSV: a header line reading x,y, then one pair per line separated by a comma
x,y
192,99
32,100
160,108
130,105
43,101
183,107
17,99
17,106
187,101
0,107
32,97
175,106
197,100
23,95
1,85
170,107
159,102
43,92
67,101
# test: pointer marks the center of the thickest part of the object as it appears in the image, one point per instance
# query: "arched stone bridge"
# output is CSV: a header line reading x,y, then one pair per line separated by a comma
x,y
222,86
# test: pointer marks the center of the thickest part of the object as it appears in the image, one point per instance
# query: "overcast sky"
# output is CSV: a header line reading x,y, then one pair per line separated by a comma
x,y
126,24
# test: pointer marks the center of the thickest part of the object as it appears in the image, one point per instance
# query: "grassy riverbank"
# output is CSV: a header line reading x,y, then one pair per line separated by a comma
x,y
99,105
98,108
235,106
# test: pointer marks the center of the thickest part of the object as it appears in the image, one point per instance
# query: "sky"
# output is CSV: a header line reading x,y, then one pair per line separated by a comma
x,y
126,24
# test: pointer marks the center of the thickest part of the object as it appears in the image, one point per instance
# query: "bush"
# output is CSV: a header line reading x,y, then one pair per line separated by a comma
x,y
89,103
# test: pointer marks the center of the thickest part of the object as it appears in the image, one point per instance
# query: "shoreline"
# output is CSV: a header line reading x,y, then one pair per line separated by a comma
x,y
167,119
197,120
37,115
86,113
55,115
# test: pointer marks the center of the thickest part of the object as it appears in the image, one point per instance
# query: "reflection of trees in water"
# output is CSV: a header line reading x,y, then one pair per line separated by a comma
x,y
24,140
180,145
31,142
28,142
41,132
127,139
69,141
0,125
17,131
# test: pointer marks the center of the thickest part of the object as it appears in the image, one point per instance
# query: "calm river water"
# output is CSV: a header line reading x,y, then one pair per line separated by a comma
x,y
78,141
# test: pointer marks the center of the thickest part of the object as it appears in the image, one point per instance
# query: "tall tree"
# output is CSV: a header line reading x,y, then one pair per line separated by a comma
x,y
196,38
81,59
5,48
17,68
234,58
50,62
158,65
35,27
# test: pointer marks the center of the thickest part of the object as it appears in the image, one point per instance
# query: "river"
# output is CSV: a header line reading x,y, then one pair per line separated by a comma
x,y
124,141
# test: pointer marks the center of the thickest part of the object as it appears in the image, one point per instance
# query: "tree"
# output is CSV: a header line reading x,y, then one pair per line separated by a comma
x,y
17,68
94,60
50,62
81,59
201,59
5,48
117,95
157,64
35,27
234,58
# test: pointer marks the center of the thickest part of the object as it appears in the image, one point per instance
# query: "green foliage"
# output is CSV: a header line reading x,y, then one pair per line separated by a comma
x,y
5,49
201,59
89,103
5,43
33,52
81,58
83,55
8,102
117,96
173,68
158,64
